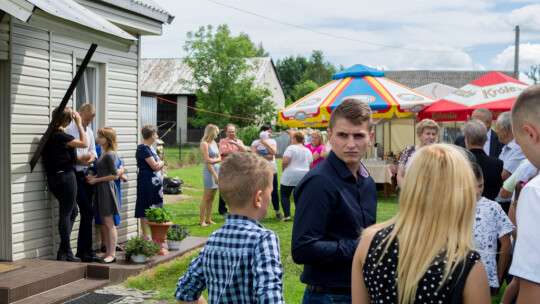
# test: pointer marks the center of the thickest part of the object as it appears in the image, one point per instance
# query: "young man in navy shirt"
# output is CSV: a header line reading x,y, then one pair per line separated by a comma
x,y
334,202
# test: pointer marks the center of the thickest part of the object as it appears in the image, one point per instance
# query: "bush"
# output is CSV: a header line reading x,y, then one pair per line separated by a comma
x,y
158,215
248,134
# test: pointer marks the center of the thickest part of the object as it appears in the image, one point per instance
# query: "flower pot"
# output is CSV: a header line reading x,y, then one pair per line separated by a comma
x,y
159,230
173,245
139,258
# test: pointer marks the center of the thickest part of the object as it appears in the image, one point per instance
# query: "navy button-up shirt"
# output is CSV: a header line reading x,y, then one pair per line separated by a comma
x,y
332,208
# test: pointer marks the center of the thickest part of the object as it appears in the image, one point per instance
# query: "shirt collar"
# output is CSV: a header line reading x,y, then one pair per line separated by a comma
x,y
235,219
511,145
343,170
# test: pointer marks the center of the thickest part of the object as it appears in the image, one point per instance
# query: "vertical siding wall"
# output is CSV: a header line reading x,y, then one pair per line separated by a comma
x,y
43,65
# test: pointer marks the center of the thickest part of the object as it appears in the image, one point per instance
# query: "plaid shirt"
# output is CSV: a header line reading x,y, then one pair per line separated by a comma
x,y
241,263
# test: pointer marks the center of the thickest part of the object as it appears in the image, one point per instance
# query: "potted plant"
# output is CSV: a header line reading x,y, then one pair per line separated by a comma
x,y
175,235
159,220
139,248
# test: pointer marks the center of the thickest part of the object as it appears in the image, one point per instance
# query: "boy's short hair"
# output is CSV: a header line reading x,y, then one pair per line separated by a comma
x,y
241,175
87,108
477,170
354,110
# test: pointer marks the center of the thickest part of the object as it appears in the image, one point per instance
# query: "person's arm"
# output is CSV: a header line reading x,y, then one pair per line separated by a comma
x,y
201,300
505,194
92,152
529,292
267,270
268,157
477,286
505,174
154,165
238,143
504,255
111,164
314,208
359,291
192,283
324,153
512,217
82,142
271,148
208,161
285,163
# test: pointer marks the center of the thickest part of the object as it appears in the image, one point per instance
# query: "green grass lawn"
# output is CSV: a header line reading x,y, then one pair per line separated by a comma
x,y
163,278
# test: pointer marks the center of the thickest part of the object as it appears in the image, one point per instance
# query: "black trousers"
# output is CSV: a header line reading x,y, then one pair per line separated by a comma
x,y
63,186
222,207
84,201
275,195
286,199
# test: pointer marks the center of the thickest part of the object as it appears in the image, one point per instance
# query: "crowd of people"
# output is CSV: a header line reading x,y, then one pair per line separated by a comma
x,y
450,242
455,204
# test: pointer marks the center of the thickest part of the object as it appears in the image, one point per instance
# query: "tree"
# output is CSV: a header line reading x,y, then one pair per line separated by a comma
x,y
318,69
224,78
304,88
534,73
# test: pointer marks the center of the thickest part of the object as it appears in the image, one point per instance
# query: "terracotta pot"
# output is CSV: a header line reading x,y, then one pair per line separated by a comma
x,y
159,230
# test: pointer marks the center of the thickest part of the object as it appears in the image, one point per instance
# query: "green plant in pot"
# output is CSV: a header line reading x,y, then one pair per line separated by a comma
x,y
175,235
159,220
140,245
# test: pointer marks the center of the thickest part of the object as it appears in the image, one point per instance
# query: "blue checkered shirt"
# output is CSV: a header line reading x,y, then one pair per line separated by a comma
x,y
241,263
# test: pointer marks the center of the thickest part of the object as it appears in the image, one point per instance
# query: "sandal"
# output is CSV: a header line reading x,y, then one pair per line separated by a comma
x,y
279,216
286,219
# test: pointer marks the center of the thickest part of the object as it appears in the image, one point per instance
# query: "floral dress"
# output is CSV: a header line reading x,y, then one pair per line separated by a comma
x,y
407,153
149,182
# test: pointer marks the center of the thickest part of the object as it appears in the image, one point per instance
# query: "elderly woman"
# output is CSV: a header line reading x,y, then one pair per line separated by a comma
x,y
317,147
428,246
150,177
211,157
427,131
296,163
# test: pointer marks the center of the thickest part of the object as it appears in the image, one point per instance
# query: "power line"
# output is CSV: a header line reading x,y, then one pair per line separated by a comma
x,y
346,38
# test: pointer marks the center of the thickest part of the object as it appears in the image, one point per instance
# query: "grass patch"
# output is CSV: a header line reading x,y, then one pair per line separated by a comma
x,y
190,156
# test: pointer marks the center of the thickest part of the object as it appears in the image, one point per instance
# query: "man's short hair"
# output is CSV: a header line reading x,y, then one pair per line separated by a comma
x,y
526,109
87,109
148,130
475,130
241,175
354,110
485,112
505,120
228,126
426,124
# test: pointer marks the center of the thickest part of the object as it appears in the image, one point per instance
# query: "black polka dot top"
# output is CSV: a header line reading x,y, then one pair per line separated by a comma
x,y
381,280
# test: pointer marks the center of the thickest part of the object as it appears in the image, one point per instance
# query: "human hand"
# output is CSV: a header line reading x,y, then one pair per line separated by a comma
x,y
77,118
91,179
124,178
233,142
215,179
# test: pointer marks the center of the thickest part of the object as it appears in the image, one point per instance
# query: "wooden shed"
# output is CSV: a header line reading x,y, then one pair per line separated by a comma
x,y
41,44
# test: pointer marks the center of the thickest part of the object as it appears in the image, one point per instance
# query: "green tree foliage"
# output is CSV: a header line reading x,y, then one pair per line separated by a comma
x,y
534,73
224,78
295,72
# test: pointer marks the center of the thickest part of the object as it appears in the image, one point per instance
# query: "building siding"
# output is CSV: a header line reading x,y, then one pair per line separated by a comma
x,y
43,65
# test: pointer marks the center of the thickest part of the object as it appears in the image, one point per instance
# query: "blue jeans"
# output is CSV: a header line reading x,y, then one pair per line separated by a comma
x,y
323,298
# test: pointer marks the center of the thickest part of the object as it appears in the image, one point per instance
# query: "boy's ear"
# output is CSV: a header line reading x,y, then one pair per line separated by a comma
x,y
257,199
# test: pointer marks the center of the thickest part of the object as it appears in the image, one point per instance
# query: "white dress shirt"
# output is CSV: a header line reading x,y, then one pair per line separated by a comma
x,y
487,143
73,130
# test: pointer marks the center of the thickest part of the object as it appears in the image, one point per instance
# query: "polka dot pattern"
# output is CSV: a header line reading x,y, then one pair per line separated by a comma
x,y
381,281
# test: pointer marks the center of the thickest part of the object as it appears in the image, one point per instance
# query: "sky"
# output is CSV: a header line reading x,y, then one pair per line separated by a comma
x,y
384,34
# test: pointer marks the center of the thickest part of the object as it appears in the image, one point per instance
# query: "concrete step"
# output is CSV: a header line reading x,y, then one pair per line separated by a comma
x,y
65,292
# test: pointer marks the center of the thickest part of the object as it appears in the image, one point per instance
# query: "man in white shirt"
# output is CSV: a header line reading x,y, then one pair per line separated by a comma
x,y
511,154
526,262
85,157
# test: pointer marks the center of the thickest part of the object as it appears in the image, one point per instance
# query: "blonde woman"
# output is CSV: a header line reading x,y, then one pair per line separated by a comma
x,y
426,131
211,157
105,198
316,146
424,254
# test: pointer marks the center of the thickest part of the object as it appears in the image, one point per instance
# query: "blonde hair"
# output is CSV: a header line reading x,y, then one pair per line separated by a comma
x,y
436,212
318,133
241,175
110,135
65,116
210,133
87,109
426,124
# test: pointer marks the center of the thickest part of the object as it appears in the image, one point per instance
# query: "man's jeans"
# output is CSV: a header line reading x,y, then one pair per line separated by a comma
x,y
322,298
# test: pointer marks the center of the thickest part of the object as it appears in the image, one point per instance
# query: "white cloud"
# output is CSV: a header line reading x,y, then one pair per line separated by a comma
x,y
526,17
529,54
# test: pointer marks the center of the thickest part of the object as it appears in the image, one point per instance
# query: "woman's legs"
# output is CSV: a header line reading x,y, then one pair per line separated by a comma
x,y
285,199
64,188
108,223
144,222
209,204
103,233
206,206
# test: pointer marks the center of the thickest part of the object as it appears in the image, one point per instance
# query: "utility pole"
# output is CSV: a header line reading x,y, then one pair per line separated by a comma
x,y
516,55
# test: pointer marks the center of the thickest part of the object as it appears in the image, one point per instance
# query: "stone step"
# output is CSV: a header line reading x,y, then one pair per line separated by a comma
x,y
65,292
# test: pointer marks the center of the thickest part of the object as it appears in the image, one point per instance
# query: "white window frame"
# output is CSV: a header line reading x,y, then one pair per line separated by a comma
x,y
90,78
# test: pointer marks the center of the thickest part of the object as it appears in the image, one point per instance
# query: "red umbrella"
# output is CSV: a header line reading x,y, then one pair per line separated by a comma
x,y
494,91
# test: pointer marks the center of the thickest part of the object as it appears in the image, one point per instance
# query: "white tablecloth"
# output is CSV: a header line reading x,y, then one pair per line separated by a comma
x,y
381,173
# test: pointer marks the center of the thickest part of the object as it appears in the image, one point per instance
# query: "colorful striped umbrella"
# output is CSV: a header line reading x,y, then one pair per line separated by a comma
x,y
386,98
493,91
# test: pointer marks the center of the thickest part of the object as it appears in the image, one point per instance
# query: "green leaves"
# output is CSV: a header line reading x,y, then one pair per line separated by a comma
x,y
158,215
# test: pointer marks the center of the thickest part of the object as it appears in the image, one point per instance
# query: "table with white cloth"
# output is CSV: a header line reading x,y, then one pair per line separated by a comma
x,y
382,173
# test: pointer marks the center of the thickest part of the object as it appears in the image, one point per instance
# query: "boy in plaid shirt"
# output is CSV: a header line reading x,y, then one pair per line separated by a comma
x,y
241,262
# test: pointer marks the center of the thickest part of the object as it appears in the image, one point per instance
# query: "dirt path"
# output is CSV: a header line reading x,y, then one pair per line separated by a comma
x,y
177,198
